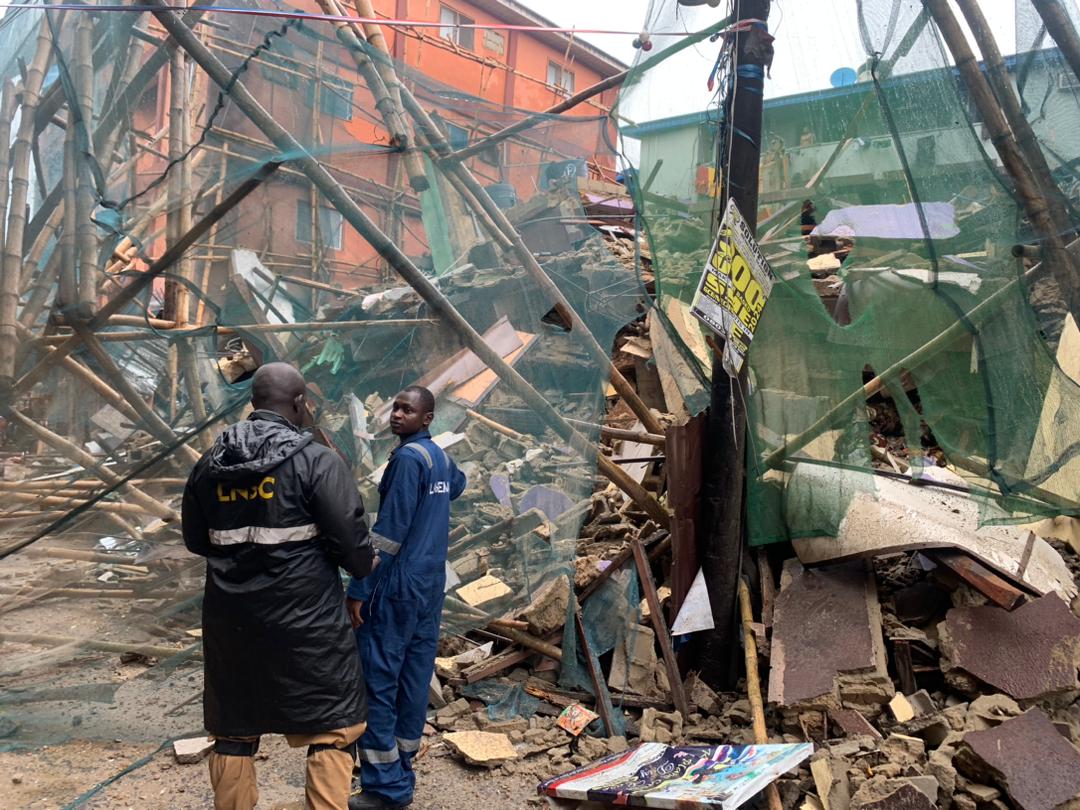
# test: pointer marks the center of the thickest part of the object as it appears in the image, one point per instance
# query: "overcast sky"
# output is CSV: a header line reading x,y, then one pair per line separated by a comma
x,y
813,38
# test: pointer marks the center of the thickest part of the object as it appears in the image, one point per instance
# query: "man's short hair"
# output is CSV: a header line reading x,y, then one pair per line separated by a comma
x,y
427,399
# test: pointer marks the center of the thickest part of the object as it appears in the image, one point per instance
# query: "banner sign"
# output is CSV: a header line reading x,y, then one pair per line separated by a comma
x,y
734,287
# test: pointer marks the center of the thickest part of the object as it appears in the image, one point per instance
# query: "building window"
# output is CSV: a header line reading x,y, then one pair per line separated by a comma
x,y
336,97
457,136
451,21
560,77
329,225
279,67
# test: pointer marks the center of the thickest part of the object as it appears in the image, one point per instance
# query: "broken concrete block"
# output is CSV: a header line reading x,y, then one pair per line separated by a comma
x,y
983,794
1030,652
831,780
922,703
903,750
901,708
897,517
1026,756
634,665
547,609
940,767
483,590
989,711
893,794
661,727
853,724
192,750
826,622
481,747
702,695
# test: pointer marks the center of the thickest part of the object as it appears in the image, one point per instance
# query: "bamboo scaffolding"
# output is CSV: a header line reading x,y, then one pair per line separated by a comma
x,y
355,216
149,418
7,114
500,227
20,185
1058,259
1001,84
1061,29
85,233
350,35
79,456
140,283
67,295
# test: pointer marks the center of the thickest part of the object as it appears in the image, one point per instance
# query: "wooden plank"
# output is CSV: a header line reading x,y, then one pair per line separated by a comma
x,y
603,698
678,694
905,673
994,587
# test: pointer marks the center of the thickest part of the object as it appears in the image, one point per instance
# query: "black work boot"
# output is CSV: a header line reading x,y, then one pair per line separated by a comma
x,y
372,801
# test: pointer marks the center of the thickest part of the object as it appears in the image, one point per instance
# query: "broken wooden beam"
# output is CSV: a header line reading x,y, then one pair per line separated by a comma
x,y
663,635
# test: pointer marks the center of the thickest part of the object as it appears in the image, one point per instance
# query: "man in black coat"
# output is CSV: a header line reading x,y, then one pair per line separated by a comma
x,y
276,515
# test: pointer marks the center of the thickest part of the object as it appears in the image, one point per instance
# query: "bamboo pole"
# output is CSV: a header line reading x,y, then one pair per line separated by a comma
x,y
20,186
753,684
355,216
79,456
1034,204
73,501
149,650
1061,29
67,295
83,484
999,80
7,114
86,232
350,36
239,329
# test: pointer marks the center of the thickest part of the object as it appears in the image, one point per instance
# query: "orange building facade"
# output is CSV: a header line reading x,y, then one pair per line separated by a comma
x,y
310,83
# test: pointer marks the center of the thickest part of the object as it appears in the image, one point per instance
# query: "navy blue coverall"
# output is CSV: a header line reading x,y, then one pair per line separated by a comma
x,y
402,605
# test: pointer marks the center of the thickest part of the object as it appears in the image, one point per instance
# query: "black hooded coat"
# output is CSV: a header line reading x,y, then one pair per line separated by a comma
x,y
276,515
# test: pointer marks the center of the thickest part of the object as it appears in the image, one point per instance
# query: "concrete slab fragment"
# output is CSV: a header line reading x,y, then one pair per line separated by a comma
x,y
826,624
1027,757
904,518
1026,653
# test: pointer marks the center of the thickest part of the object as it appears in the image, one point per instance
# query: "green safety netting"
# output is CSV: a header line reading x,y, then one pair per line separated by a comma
x,y
916,220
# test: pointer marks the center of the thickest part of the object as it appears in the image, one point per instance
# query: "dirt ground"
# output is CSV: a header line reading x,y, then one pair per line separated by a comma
x,y
55,776
72,719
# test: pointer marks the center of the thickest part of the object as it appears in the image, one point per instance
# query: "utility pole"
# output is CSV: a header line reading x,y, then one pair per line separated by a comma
x,y
721,539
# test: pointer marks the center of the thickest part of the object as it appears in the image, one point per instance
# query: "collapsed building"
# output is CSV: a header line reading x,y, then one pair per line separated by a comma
x,y
911,556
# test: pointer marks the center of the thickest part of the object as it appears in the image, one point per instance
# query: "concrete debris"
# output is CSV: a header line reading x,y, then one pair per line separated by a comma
x,y
547,610
481,747
831,780
1031,652
1027,758
896,517
901,708
483,590
701,695
192,750
912,793
661,727
826,623
851,723
634,666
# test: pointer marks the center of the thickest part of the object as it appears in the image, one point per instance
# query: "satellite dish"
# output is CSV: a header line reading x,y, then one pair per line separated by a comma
x,y
842,77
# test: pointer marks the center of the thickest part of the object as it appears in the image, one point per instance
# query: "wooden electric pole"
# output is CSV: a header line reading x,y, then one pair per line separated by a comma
x,y
722,536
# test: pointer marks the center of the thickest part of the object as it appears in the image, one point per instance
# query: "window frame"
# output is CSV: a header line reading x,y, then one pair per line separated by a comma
x,y
450,30
303,218
560,73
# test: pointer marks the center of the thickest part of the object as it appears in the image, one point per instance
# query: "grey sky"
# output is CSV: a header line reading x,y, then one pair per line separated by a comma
x,y
813,38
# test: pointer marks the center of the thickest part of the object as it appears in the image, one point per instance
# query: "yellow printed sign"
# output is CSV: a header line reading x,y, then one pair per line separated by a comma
x,y
734,287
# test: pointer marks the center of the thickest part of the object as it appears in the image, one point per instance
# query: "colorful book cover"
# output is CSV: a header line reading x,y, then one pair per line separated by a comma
x,y
683,777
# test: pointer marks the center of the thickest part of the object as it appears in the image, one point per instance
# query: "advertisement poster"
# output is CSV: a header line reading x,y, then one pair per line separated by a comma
x,y
734,287
683,777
